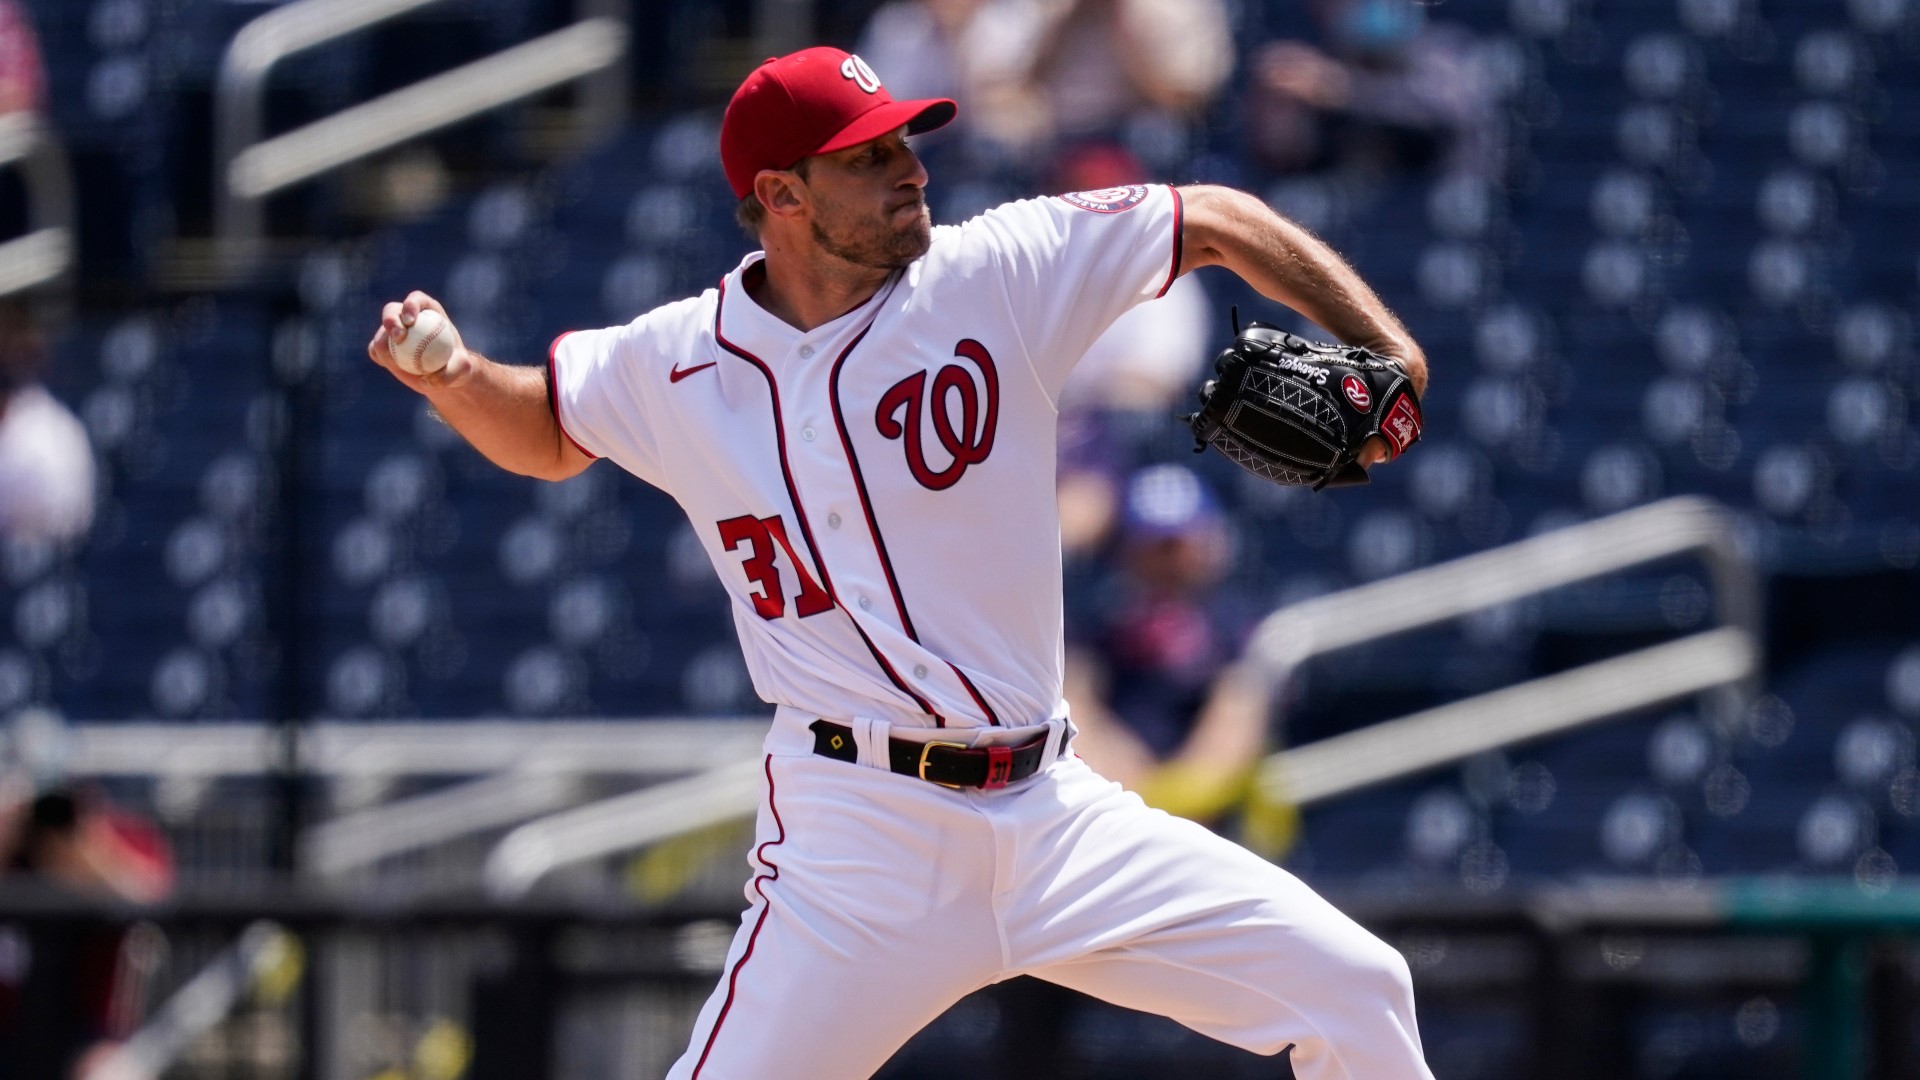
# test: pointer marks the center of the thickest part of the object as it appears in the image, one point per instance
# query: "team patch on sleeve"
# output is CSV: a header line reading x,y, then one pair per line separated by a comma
x,y
1109,200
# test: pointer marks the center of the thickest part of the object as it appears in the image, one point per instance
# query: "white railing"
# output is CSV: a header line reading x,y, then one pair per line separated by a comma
x,y
1389,750
264,953
355,750
247,170
1725,660
623,823
517,782
525,769
45,252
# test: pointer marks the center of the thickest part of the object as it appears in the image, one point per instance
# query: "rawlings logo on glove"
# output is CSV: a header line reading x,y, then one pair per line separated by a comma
x,y
1297,412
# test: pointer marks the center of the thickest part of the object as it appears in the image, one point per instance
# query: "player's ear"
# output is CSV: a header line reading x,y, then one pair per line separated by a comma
x,y
781,191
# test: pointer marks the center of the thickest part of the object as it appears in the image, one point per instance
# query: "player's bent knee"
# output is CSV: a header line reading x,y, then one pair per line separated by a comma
x,y
1374,983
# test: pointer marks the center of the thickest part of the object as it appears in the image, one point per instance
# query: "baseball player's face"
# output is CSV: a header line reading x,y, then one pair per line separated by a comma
x,y
869,203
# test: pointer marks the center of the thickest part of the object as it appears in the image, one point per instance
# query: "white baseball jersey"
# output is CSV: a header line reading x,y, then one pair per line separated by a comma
x,y
877,494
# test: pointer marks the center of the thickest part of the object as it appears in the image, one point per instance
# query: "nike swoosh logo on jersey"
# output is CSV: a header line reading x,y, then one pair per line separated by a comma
x,y
676,374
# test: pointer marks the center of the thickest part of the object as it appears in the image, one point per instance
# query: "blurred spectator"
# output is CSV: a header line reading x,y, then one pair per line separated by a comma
x,y
1041,73
1162,706
1388,92
22,80
922,48
1143,370
68,990
73,990
46,466
1091,466
1140,371
1149,360
71,838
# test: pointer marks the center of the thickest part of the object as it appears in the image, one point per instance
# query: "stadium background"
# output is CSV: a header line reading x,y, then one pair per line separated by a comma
x,y
1694,272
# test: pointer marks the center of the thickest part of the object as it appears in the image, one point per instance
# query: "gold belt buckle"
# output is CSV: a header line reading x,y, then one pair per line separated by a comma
x,y
925,749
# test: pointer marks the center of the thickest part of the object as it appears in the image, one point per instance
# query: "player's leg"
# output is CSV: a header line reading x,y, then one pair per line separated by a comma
x,y
1156,913
868,917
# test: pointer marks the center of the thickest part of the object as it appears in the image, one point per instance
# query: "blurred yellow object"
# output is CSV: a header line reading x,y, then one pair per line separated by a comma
x,y
278,968
662,871
443,1052
1196,792
1269,826
1269,822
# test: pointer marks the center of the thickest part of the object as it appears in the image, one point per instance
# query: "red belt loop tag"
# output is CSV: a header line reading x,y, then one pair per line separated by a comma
x,y
999,767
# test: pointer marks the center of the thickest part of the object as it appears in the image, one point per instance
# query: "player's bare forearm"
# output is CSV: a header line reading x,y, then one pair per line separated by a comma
x,y
501,409
1289,265
1231,731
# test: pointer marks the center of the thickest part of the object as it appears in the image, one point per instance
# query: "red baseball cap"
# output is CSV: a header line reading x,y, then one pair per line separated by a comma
x,y
814,101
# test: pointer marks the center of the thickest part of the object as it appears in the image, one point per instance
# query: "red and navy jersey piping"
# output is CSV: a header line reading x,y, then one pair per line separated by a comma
x,y
873,524
759,886
800,513
553,395
1179,242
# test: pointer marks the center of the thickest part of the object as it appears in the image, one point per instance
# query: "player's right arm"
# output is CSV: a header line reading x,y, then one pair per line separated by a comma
x,y
501,409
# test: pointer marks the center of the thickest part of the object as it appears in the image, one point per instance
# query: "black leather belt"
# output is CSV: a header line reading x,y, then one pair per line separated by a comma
x,y
948,764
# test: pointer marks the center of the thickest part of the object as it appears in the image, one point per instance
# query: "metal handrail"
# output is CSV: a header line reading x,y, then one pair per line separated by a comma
x,y
203,1002
1379,753
1727,660
542,780
595,45
240,93
45,252
1678,526
342,750
524,768
622,823
428,105
364,837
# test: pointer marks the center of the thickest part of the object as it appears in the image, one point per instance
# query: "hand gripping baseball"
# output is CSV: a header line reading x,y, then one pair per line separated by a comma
x,y
1301,412
419,344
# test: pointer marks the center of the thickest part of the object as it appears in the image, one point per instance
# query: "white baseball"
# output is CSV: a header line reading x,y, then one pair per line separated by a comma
x,y
427,345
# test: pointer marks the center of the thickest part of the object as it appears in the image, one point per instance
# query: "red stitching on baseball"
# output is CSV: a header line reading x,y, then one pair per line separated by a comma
x,y
420,349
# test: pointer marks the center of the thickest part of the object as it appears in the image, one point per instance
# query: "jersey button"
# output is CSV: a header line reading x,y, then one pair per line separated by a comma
x,y
806,352
833,521
806,433
865,603
919,671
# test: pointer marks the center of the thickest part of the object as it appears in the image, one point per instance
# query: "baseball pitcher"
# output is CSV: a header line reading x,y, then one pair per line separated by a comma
x,y
858,420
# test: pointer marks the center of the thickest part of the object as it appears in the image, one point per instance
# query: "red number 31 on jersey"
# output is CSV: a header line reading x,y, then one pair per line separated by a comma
x,y
761,535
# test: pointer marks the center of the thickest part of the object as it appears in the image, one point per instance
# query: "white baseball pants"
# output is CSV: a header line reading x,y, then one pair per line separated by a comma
x,y
879,900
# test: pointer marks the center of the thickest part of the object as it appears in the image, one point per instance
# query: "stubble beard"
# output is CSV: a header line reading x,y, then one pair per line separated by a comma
x,y
877,245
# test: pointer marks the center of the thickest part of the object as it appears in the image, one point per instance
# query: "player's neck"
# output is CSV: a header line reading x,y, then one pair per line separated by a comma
x,y
807,289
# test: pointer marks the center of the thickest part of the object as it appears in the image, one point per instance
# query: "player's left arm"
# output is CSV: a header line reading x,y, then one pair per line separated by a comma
x,y
1289,265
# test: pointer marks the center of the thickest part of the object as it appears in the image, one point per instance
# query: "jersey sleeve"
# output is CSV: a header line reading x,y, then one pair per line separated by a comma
x,y
1075,263
596,398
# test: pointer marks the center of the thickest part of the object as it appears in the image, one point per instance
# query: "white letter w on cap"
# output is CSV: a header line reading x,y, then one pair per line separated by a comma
x,y
856,69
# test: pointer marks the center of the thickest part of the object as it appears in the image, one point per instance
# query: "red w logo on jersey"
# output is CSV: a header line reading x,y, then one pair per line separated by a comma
x,y
971,442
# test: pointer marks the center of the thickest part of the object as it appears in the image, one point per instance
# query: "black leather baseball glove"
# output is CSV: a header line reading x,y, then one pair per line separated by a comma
x,y
1297,412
